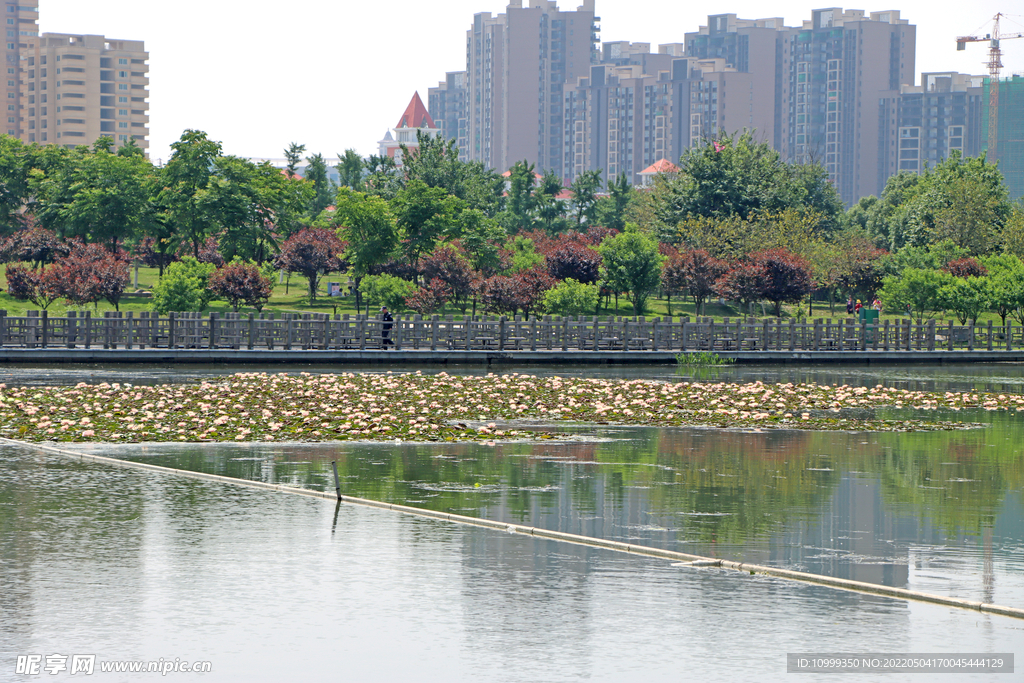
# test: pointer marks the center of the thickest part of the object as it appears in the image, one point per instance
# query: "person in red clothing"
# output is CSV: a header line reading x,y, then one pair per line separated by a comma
x,y
856,309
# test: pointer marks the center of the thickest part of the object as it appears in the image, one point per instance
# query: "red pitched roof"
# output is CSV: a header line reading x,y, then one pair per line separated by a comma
x,y
661,166
416,115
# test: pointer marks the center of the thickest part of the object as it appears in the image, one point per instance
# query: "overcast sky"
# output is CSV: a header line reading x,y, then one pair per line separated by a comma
x,y
335,74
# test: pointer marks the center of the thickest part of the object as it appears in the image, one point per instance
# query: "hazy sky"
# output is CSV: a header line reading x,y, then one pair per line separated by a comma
x,y
335,74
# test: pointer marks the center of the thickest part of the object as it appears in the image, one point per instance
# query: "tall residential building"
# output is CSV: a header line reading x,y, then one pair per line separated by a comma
x,y
516,65
448,105
21,23
836,69
925,123
78,88
1010,150
751,46
635,111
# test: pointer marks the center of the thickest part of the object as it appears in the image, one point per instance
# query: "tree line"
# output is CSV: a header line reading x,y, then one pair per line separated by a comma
x,y
737,222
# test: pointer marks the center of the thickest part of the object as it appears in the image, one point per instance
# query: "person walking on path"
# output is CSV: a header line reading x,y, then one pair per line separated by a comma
x,y
387,322
849,306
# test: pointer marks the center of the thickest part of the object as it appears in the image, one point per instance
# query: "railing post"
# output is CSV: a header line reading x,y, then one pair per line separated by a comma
x,y
398,334
949,336
1009,335
213,330
931,335
46,328
88,328
654,334
501,333
130,322
565,333
171,328
989,335
433,332
361,331
288,331
533,332
252,332
817,335
970,337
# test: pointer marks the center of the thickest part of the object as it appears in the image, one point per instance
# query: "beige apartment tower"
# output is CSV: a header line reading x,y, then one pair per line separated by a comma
x,y
78,88
21,30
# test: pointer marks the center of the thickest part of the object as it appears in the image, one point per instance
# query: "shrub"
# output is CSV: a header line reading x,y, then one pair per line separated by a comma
x,y
571,297
184,287
388,290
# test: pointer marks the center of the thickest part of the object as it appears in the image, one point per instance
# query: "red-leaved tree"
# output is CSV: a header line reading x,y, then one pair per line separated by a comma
x,y
452,268
37,246
522,291
209,252
239,283
574,260
91,272
430,298
965,267
312,252
773,274
696,271
41,287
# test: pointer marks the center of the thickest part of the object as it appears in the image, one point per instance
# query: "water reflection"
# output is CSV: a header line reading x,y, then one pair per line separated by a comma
x,y
135,565
899,509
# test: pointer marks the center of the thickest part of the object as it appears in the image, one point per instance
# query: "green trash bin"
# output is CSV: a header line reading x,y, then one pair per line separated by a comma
x,y
869,316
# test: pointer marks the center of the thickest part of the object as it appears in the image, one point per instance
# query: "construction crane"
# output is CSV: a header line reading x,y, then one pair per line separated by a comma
x,y
995,64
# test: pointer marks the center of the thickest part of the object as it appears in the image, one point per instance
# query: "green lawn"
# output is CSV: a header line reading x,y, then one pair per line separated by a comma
x,y
291,297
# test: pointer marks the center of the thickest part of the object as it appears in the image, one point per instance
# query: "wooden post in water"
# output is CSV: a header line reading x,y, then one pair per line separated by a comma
x,y
337,483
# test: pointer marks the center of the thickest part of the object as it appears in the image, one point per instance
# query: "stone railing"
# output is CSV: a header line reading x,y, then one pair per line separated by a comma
x,y
488,333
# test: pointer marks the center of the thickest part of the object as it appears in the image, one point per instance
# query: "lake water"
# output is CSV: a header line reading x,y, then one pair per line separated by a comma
x,y
135,565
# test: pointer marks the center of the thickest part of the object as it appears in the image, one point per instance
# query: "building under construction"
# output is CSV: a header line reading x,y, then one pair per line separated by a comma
x,y
1010,136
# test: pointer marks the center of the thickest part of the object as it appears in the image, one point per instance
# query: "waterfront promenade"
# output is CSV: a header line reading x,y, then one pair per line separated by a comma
x,y
318,338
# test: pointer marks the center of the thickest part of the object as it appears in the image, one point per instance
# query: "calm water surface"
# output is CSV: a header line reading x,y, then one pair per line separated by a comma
x,y
268,587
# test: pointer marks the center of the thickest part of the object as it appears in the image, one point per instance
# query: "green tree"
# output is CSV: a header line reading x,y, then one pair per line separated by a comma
x,y
570,297
15,165
350,170
738,176
368,228
1005,284
293,154
189,210
967,297
323,186
387,290
98,196
917,287
184,287
611,210
435,163
524,255
482,239
631,262
521,202
551,209
248,199
584,196
425,215
962,200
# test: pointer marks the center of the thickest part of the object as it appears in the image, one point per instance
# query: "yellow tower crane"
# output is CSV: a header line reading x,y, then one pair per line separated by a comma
x,y
995,64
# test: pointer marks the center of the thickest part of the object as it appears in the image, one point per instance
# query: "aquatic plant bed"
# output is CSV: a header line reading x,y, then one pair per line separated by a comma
x,y
443,407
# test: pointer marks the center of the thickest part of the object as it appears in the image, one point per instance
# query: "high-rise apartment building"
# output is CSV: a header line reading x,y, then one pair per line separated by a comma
x,y
1010,129
751,46
21,22
516,65
835,70
78,88
925,123
448,105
